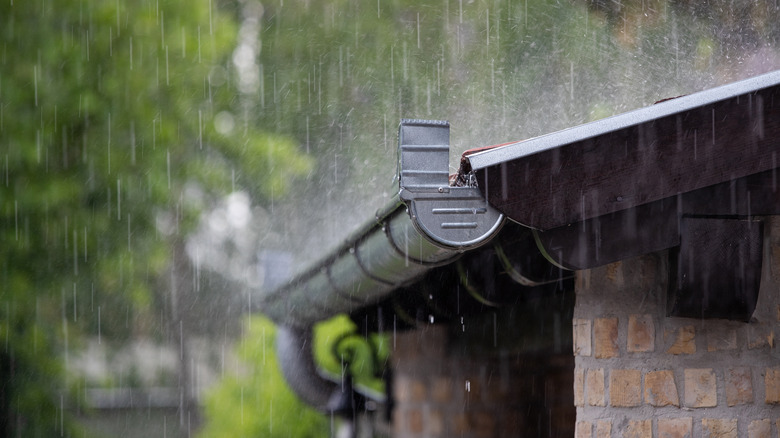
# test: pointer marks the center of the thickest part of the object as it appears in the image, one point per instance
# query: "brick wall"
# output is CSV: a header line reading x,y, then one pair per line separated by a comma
x,y
442,387
639,373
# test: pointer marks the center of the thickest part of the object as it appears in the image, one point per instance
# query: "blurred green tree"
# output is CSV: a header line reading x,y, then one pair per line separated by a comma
x,y
261,395
258,402
117,125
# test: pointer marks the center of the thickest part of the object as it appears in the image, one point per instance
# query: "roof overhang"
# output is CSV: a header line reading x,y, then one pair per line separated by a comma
x,y
691,175
605,191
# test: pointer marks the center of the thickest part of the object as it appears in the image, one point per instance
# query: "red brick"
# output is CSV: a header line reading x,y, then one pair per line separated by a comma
x,y
641,333
625,388
579,387
441,389
603,429
435,424
772,385
605,338
582,341
760,429
739,386
759,336
594,387
584,429
460,424
483,423
414,421
406,389
660,389
700,388
722,340
418,390
684,340
719,428
639,429
675,427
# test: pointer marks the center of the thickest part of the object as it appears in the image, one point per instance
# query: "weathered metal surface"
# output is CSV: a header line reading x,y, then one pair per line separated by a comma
x,y
716,270
655,226
643,156
616,236
426,225
451,217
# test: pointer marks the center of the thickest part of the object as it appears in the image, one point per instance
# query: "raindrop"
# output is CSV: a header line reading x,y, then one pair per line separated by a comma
x,y
168,166
118,200
487,28
35,83
418,31
571,80
128,233
75,313
75,253
109,143
713,126
222,361
132,142
211,25
99,337
167,72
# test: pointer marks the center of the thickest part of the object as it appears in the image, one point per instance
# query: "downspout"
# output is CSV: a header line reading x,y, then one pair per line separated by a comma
x,y
294,352
428,223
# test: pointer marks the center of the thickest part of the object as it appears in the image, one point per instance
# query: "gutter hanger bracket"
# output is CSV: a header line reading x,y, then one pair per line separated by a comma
x,y
459,218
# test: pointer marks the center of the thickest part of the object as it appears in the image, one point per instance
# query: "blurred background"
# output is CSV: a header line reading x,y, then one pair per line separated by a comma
x,y
161,161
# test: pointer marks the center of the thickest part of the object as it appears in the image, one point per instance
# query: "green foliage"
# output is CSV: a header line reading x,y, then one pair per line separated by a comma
x,y
107,117
338,347
258,403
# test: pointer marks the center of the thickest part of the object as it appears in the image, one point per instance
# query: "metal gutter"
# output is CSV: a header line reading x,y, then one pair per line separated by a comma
x,y
427,224
600,192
